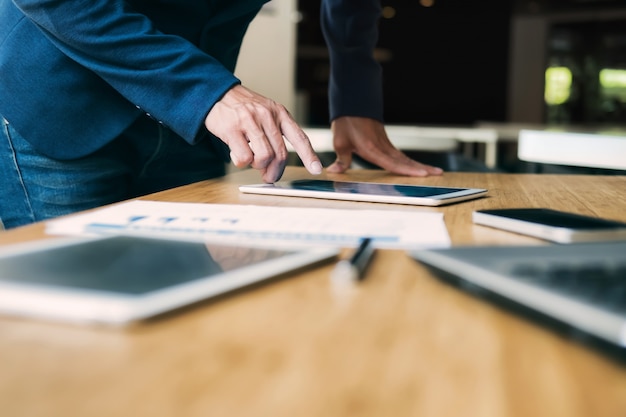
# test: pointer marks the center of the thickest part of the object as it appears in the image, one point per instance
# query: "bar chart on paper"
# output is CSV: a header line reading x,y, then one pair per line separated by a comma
x,y
265,225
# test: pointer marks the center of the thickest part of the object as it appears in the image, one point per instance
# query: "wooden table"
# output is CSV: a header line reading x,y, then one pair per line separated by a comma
x,y
403,344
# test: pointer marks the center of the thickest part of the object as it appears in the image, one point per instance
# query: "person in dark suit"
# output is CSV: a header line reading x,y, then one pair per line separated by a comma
x,y
106,100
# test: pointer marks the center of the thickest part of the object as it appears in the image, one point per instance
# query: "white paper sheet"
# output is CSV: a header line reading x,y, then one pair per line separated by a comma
x,y
263,225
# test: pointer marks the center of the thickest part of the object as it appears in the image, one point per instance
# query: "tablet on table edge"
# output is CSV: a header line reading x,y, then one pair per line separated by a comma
x,y
117,280
367,191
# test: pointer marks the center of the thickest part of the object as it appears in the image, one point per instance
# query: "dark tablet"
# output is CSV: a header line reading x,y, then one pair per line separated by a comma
x,y
121,279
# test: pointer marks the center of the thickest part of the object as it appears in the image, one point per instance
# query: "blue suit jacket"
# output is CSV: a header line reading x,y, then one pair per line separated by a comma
x,y
75,74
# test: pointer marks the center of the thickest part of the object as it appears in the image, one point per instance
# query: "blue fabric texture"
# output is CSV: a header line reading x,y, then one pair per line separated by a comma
x,y
146,158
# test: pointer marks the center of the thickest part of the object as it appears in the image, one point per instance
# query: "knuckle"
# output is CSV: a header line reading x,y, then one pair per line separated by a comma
x,y
281,154
265,112
244,157
263,157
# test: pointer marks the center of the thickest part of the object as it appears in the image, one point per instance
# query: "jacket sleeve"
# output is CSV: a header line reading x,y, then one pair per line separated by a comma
x,y
350,29
164,75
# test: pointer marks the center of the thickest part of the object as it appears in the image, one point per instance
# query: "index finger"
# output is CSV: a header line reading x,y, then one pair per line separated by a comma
x,y
302,145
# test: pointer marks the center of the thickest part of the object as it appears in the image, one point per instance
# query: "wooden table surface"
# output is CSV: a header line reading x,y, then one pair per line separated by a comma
x,y
403,343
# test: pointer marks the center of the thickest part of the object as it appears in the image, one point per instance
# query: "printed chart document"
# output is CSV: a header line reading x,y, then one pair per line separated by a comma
x,y
280,227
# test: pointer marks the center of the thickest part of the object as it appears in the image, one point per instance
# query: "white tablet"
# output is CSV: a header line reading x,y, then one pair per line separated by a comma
x,y
122,279
421,195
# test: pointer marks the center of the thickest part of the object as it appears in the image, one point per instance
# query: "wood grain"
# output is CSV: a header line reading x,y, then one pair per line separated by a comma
x,y
401,344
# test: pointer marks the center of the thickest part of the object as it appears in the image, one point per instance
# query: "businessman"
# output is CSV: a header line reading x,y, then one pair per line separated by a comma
x,y
106,100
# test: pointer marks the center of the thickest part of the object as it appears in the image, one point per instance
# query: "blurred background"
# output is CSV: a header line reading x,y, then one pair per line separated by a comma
x,y
501,64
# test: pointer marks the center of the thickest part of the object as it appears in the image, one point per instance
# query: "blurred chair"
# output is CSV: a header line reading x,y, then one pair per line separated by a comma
x,y
574,149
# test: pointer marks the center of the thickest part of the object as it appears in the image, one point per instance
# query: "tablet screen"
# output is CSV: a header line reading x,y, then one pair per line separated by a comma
x,y
368,188
128,265
118,280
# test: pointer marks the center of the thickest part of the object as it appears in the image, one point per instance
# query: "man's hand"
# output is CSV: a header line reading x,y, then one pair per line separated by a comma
x,y
368,139
253,127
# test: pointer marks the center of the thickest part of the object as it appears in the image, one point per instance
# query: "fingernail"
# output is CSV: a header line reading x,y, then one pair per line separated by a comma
x,y
315,167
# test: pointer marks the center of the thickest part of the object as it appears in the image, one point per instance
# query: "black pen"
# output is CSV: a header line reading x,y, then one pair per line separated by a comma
x,y
353,269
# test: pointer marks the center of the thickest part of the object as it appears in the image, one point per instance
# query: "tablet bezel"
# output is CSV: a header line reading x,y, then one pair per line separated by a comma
x,y
90,306
287,188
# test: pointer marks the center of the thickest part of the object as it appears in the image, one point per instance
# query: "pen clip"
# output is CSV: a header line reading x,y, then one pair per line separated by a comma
x,y
353,268
363,255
